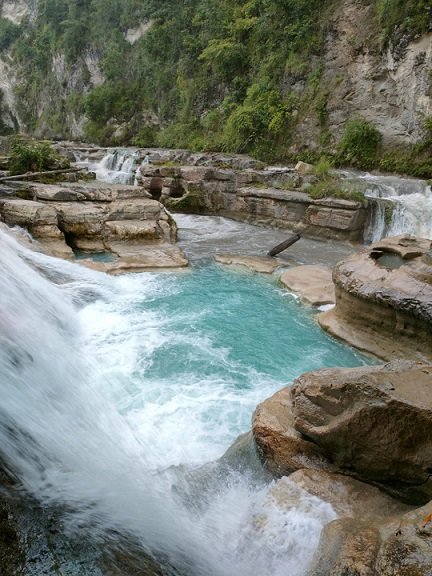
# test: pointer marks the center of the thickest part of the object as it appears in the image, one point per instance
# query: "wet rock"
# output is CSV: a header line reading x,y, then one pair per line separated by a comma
x,y
11,554
348,496
282,448
255,263
97,217
347,547
401,546
407,545
373,423
313,284
256,196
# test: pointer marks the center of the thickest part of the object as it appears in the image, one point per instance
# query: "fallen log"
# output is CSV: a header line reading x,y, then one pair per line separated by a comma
x,y
284,245
30,175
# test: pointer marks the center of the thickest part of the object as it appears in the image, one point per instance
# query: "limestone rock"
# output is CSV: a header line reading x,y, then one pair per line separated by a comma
x,y
304,168
95,191
27,213
254,263
313,284
383,292
138,257
374,423
347,547
133,230
401,546
348,496
407,544
283,449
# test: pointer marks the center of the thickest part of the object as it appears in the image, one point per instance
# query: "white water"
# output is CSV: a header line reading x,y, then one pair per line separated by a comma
x,y
81,429
118,166
408,201
401,205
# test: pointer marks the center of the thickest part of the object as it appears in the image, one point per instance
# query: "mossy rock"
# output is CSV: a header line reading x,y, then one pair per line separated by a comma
x,y
193,202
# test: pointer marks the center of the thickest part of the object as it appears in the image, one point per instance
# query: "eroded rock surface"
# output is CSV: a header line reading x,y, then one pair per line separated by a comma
x,y
401,546
275,197
384,299
373,423
96,217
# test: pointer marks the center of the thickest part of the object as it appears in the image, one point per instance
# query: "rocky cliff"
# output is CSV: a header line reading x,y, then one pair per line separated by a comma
x,y
270,79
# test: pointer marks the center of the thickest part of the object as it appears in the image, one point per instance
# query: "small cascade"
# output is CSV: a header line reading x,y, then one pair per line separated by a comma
x,y
399,205
118,166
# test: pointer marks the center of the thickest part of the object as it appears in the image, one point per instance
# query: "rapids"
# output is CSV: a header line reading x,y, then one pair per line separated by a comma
x,y
119,393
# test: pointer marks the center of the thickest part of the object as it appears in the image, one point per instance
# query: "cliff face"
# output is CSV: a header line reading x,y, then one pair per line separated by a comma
x,y
202,81
389,86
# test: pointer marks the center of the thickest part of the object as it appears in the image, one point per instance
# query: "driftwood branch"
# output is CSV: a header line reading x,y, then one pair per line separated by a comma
x,y
30,175
284,245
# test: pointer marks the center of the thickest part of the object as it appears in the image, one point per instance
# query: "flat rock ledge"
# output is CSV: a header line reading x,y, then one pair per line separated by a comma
x,y
313,284
122,222
361,440
271,197
384,299
259,264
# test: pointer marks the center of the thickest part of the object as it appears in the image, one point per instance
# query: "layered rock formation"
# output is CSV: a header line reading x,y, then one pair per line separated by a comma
x,y
384,299
96,217
347,435
273,197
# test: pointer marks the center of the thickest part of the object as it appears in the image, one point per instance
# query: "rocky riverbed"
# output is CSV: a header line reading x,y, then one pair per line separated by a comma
x,y
359,439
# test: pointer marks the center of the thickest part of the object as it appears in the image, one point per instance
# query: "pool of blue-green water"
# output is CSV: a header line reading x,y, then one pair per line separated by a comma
x,y
196,351
236,324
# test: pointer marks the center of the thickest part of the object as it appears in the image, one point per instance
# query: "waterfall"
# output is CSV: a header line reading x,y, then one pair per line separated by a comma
x,y
118,166
67,430
399,205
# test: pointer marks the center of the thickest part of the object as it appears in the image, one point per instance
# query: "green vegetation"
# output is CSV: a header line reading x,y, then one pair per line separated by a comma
x,y
330,186
234,76
32,156
399,17
8,33
360,144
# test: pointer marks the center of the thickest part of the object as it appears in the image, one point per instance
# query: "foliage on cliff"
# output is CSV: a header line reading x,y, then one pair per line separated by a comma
x,y
213,74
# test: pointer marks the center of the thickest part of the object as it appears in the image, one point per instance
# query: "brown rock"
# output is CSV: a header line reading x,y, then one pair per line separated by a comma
x,y
304,168
382,305
348,496
255,263
407,545
282,448
374,423
401,546
313,284
347,548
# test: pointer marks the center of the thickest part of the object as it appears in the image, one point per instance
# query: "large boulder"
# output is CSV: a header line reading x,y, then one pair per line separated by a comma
x,y
384,299
374,423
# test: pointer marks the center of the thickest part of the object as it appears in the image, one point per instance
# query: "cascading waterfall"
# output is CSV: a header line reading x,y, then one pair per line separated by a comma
x,y
113,397
118,166
400,205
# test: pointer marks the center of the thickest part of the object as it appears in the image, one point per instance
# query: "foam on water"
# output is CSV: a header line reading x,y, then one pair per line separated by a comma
x,y
107,383
116,390
410,201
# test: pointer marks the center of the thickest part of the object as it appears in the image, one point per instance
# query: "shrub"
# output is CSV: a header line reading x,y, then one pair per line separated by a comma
x,y
323,167
34,157
360,144
331,188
